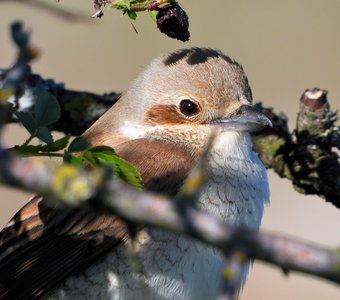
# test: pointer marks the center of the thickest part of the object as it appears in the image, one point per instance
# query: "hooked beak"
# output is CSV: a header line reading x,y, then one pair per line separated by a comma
x,y
247,118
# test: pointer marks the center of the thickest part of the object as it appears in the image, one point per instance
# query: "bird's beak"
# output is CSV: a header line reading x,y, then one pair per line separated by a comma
x,y
247,118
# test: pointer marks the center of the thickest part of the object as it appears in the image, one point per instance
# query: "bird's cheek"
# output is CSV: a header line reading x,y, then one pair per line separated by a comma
x,y
163,114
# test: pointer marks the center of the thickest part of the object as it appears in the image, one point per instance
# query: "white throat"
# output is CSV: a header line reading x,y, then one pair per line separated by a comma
x,y
237,187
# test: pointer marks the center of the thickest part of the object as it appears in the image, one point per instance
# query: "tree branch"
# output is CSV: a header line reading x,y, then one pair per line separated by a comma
x,y
306,156
79,109
146,208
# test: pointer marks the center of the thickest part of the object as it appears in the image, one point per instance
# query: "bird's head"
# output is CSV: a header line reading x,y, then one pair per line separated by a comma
x,y
183,96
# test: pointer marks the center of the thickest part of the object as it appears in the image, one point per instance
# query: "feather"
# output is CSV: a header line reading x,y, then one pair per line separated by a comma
x,y
41,246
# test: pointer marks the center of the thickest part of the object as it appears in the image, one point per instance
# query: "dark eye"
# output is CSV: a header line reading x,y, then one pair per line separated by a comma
x,y
188,108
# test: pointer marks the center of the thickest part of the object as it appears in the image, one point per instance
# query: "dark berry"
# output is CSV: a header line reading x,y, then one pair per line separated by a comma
x,y
173,21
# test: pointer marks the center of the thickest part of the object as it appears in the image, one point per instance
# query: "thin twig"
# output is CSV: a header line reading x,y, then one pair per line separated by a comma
x,y
58,12
232,276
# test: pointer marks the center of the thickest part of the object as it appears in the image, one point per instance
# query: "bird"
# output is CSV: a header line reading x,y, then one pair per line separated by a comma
x,y
162,124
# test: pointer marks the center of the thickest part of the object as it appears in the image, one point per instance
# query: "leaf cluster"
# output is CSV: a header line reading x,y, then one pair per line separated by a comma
x,y
46,112
131,7
78,152
125,6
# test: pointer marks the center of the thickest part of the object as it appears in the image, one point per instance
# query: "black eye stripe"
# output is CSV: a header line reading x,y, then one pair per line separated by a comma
x,y
188,108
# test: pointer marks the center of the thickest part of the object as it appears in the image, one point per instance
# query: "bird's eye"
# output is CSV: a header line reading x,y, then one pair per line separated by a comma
x,y
188,108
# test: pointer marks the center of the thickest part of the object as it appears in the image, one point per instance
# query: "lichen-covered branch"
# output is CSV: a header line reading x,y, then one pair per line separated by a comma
x,y
146,208
306,156
79,109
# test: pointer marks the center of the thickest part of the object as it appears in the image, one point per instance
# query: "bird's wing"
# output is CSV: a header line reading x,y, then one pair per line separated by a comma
x,y
41,246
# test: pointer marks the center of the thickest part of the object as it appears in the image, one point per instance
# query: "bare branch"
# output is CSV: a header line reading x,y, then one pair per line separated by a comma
x,y
141,207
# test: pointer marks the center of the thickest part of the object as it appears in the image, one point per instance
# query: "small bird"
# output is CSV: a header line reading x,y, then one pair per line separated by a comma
x,y
161,124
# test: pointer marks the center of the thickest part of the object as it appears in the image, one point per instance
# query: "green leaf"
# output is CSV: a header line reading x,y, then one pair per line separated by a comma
x,y
46,110
28,150
44,134
88,155
75,160
105,149
106,156
153,14
121,168
121,4
131,13
79,144
56,145
27,121
127,3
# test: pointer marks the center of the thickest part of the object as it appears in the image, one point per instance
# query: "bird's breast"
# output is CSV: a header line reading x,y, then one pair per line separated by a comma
x,y
237,185
174,266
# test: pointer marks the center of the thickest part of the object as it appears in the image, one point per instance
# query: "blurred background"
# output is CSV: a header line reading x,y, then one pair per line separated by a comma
x,y
284,46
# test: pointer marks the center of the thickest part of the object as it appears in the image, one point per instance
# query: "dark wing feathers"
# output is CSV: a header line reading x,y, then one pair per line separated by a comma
x,y
35,258
41,246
